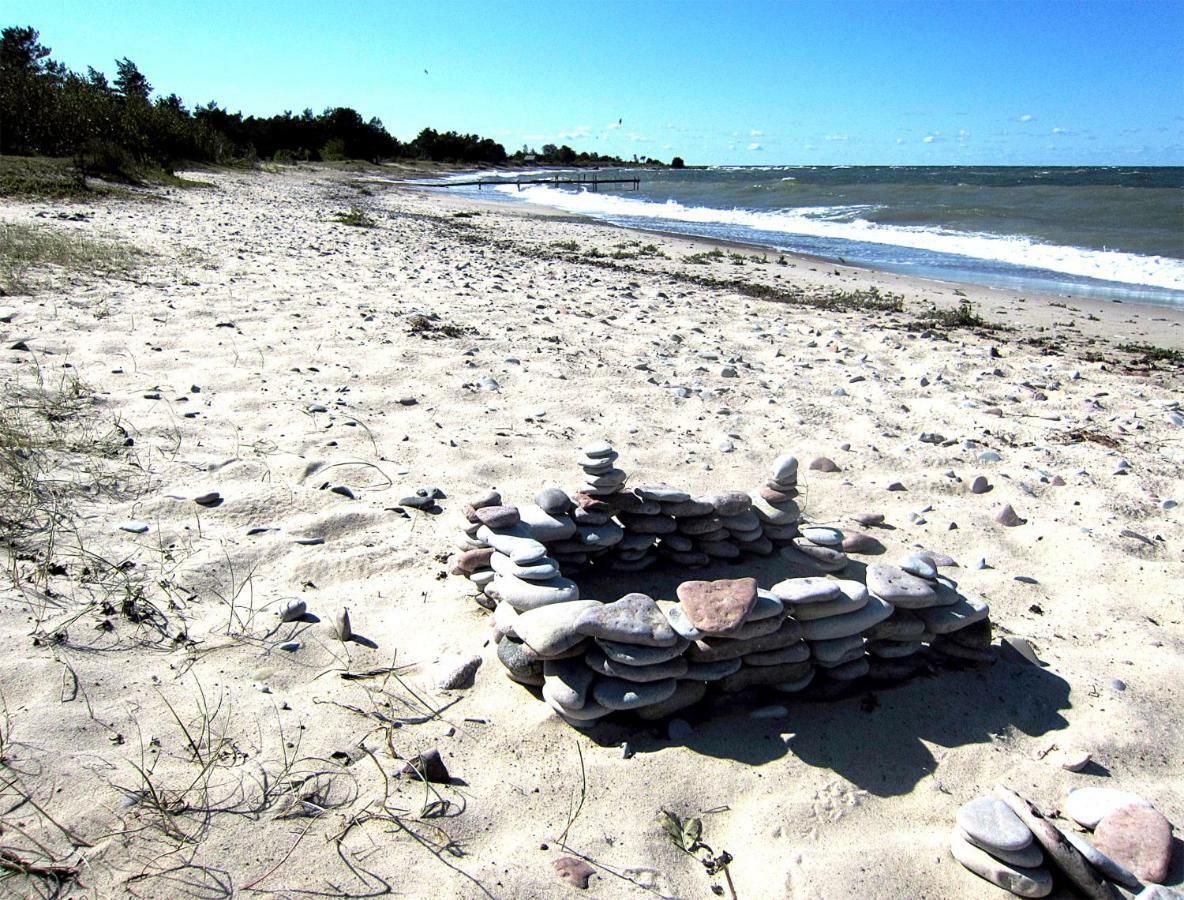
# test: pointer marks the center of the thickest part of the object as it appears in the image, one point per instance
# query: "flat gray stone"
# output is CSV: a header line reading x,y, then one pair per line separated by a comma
x,y
796,592
1019,881
764,676
792,687
590,711
518,543
602,665
872,613
545,526
848,671
1029,858
616,693
902,625
920,566
1064,855
553,500
678,620
852,596
785,467
634,619
686,693
731,503
823,535
637,655
712,649
525,595
885,649
768,606
835,649
991,823
683,509
600,536
497,517
794,653
944,619
713,671
598,449
664,493
541,570
550,630
898,587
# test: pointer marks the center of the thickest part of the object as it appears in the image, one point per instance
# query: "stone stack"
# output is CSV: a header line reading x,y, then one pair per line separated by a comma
x,y
817,548
655,657
992,842
775,502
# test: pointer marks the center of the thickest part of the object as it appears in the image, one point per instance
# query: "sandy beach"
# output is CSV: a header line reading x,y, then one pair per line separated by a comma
x,y
268,384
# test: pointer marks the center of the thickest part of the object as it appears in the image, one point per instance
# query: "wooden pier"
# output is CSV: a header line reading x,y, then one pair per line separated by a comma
x,y
592,181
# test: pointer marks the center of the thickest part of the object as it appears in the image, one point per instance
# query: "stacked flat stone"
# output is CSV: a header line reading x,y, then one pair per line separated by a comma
x,y
993,842
775,502
655,657
817,548
928,610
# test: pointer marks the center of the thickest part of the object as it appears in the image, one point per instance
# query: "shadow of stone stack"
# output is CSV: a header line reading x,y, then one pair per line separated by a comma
x,y
657,656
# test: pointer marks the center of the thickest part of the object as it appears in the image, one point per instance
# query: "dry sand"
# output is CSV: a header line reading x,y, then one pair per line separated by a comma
x,y
262,351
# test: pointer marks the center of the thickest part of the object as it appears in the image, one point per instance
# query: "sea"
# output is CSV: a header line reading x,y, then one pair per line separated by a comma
x,y
1103,232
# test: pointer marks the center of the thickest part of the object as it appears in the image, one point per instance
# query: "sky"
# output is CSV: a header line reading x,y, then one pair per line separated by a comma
x,y
749,82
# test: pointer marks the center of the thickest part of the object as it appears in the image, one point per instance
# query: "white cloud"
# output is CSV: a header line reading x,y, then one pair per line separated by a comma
x,y
613,126
1027,117
963,134
756,132
578,132
835,137
755,146
900,140
929,139
1061,131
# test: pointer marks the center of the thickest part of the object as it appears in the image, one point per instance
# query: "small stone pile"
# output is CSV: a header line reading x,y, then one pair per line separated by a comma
x,y
992,842
655,657
1007,841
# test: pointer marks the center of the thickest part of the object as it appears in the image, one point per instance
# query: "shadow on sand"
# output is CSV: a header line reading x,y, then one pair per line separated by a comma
x,y
874,735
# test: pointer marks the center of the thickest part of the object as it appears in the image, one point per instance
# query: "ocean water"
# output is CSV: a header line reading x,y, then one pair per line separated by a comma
x,y
1101,232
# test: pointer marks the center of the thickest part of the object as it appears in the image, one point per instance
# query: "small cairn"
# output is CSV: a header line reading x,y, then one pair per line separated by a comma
x,y
654,657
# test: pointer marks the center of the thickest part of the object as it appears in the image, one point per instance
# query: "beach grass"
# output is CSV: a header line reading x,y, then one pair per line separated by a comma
x,y
29,249
355,218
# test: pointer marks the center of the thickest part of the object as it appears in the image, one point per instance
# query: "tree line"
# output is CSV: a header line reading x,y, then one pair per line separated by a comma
x,y
117,127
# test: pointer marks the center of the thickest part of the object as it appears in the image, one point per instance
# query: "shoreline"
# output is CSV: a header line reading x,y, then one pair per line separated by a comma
x,y
1018,273
1098,319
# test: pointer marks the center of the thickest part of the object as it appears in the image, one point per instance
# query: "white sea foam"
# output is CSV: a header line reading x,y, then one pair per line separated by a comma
x,y
843,223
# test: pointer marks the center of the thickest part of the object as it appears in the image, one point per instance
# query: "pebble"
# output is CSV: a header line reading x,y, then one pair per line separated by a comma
x,y
989,456
861,542
638,655
785,467
823,464
342,627
290,646
991,823
522,663
517,543
1008,517
868,519
1089,805
497,516
897,486
946,619
1138,838
686,693
456,672
134,527
1072,759
671,668
679,730
292,610
574,871
1018,649
980,485
1020,881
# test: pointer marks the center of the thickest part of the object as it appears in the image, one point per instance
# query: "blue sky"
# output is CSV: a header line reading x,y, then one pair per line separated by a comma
x,y
758,82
